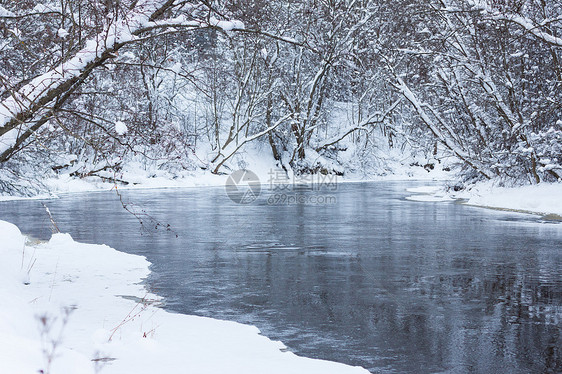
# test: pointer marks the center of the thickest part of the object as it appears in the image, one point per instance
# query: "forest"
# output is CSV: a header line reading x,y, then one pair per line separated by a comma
x,y
88,87
148,223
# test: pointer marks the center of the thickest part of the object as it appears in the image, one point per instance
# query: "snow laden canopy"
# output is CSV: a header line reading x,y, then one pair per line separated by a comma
x,y
313,87
30,105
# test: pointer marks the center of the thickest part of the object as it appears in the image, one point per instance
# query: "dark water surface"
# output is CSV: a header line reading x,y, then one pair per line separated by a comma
x,y
374,280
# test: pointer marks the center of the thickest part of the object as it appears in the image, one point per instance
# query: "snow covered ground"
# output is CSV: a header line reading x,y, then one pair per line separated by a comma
x,y
264,167
544,199
80,308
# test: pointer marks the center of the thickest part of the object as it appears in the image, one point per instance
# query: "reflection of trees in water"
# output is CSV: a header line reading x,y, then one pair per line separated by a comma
x,y
496,318
491,319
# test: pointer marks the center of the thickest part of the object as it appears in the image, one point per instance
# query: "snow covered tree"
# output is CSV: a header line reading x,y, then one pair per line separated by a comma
x,y
49,67
92,83
485,86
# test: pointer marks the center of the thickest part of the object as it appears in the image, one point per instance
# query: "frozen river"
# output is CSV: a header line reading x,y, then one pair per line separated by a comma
x,y
367,278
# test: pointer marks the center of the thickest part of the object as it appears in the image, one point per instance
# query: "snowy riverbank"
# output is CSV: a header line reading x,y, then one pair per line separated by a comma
x,y
138,178
543,199
141,174
79,308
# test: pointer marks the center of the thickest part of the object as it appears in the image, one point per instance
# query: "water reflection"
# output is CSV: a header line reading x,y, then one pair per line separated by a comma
x,y
393,285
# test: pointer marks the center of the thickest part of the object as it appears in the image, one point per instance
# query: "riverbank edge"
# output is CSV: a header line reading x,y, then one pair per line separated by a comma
x,y
79,308
63,184
544,199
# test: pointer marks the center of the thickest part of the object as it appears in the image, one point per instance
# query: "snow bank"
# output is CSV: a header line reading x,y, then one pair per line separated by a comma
x,y
544,198
264,167
429,198
73,308
428,194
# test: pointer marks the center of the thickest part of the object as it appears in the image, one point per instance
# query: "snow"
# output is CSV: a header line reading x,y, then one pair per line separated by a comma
x,y
429,198
87,299
46,8
176,68
5,12
226,25
424,189
62,33
543,198
120,128
428,194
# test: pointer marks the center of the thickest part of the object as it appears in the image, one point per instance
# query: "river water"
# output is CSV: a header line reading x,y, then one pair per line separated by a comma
x,y
368,278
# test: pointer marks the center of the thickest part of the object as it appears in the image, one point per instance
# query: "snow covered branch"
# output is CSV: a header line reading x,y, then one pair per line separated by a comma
x,y
441,136
19,110
231,150
531,27
365,125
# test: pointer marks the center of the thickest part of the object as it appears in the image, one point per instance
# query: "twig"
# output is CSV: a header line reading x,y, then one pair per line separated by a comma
x,y
54,227
130,316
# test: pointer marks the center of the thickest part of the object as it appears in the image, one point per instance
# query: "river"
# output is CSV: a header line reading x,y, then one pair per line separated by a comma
x,y
365,278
